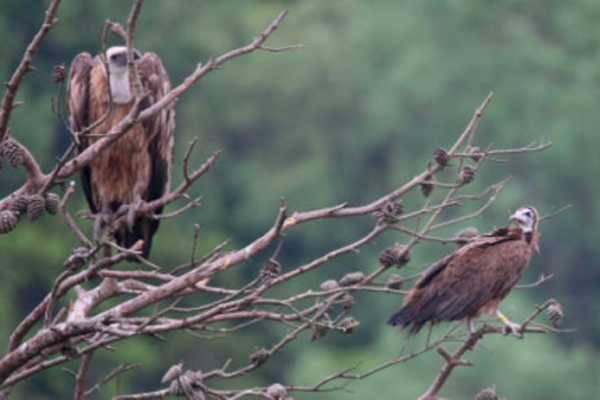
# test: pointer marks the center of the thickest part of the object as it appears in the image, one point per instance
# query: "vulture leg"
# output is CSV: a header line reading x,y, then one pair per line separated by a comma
x,y
103,220
509,327
133,208
470,326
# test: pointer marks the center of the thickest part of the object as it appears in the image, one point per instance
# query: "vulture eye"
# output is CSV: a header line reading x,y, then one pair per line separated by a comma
x,y
113,57
528,214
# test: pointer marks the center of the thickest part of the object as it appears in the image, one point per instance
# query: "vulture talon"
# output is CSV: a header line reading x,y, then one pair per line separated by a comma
x,y
512,328
132,211
103,220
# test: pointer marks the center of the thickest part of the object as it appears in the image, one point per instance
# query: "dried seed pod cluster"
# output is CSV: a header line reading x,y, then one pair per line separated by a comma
x,y
398,255
276,391
352,278
8,221
259,356
465,175
348,325
13,152
426,186
389,212
440,157
555,315
487,394
270,270
59,72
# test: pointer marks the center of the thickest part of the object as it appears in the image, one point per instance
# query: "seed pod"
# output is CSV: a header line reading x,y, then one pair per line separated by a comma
x,y
465,175
426,186
476,153
59,72
347,302
440,156
52,203
352,278
330,284
19,205
555,315
397,255
259,356
463,236
321,327
13,152
389,212
348,325
8,221
270,270
277,391
35,207
487,394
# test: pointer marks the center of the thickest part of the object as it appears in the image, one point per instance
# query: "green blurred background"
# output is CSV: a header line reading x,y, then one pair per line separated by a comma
x,y
351,116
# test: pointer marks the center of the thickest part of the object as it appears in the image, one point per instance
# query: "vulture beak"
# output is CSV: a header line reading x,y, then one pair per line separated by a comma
x,y
517,218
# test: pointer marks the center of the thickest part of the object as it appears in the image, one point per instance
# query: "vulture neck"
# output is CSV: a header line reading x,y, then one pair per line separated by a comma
x,y
119,87
528,236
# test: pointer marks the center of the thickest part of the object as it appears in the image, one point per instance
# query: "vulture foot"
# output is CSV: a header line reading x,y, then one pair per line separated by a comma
x,y
133,209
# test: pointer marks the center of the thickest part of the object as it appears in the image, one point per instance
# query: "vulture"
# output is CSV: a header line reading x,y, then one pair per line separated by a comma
x,y
135,168
474,279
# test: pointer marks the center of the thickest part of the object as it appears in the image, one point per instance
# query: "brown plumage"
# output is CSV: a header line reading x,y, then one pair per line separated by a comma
x,y
137,167
474,279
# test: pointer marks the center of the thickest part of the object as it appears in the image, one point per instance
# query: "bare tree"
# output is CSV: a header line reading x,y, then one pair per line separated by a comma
x,y
148,296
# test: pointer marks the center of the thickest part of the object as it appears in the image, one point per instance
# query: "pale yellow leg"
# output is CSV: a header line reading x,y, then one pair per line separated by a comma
x,y
509,327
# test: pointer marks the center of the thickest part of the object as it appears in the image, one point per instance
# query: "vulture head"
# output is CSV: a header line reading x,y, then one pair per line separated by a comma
x,y
525,217
116,59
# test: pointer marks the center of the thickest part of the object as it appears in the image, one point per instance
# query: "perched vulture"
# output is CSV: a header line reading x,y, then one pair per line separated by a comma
x,y
136,167
474,279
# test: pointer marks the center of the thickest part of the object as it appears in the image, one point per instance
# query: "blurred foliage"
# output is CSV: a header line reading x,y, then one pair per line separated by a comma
x,y
352,115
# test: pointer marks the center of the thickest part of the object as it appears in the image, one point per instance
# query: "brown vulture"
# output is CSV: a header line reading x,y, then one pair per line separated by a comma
x,y
474,279
136,167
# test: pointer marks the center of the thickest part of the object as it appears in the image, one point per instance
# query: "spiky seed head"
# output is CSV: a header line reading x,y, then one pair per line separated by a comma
x,y
487,394
389,212
465,175
352,278
52,203
13,152
440,156
426,186
35,206
277,391
348,325
395,282
59,72
19,205
463,236
259,356
321,327
270,270
8,221
555,315
476,153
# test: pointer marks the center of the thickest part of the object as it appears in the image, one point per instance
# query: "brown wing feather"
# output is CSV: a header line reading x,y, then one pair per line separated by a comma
x,y
78,101
160,130
473,277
